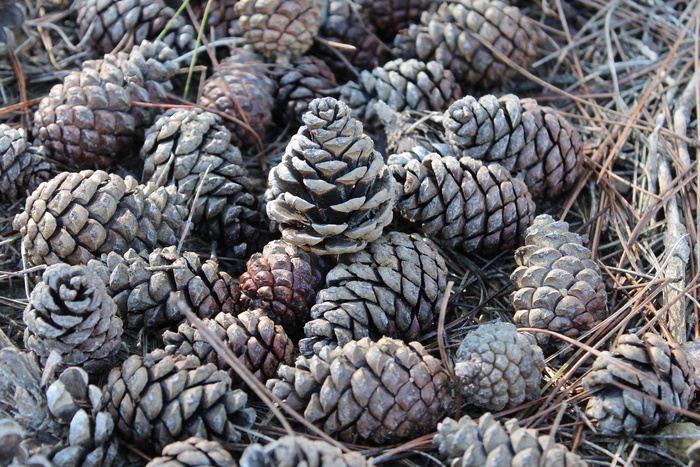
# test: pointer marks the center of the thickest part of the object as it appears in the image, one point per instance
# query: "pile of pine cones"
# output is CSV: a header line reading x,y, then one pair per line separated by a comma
x,y
392,161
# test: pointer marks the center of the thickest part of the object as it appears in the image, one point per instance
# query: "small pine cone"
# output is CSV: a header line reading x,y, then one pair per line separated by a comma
x,y
450,36
76,216
499,368
650,365
534,143
404,85
179,148
158,399
260,344
392,288
381,391
193,452
488,442
408,130
391,16
106,25
89,121
71,312
465,203
22,168
558,285
333,192
307,78
300,451
141,287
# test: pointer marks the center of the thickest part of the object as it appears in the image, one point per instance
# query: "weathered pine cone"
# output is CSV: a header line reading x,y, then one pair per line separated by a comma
x,y
193,452
535,143
298,450
141,287
381,391
89,121
71,312
497,367
74,217
305,79
420,132
260,344
558,285
333,192
179,148
463,202
391,16
22,168
392,288
158,399
491,443
651,365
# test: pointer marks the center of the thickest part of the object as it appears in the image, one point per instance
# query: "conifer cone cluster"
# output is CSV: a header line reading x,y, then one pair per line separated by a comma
x,y
308,79
299,450
22,167
193,452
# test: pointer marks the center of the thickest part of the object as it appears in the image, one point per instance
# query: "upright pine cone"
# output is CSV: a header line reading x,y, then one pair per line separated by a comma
x,y
193,452
141,287
450,36
381,391
298,450
89,120
391,16
260,344
305,79
650,365
184,144
392,288
22,168
157,399
558,284
76,216
463,202
332,191
488,442
534,143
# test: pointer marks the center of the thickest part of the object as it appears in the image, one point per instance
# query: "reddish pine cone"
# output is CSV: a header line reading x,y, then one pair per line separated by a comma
x,y
22,168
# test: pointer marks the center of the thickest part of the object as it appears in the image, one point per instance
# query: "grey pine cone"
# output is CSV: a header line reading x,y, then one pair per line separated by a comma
x,y
193,452
291,451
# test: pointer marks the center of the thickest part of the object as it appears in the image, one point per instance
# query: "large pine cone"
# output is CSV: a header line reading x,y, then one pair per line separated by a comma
x,y
142,287
183,145
260,344
650,365
89,121
449,36
333,192
558,284
22,168
392,288
306,78
193,452
491,443
534,143
384,391
158,399
465,203
391,16
297,451
76,216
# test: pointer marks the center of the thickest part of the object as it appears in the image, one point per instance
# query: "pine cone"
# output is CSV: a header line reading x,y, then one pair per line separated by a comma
x,y
306,79
89,120
383,392
333,192
76,216
404,85
408,130
298,450
488,442
183,145
254,338
11,437
141,287
393,288
465,203
158,399
650,365
222,15
453,36
498,367
534,143
22,168
391,16
193,452
558,284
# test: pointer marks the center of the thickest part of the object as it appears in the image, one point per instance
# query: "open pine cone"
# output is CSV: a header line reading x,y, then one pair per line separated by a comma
x,y
297,451
22,167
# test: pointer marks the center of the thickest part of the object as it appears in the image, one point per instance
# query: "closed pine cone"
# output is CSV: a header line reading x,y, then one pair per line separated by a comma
x,y
306,78
300,451
193,452
22,168
332,191
392,288
384,391
558,285
416,131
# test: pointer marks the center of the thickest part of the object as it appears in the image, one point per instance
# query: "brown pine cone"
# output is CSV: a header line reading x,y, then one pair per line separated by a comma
x,y
381,391
22,168
260,344
305,79
74,217
300,451
650,365
333,192
558,285
391,16
193,452
392,288
465,203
